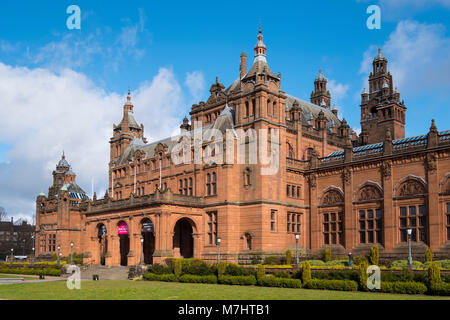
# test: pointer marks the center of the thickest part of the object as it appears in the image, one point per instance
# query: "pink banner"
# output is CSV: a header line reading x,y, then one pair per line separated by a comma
x,y
123,228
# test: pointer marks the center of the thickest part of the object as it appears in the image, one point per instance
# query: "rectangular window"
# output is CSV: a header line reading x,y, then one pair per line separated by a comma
x,y
448,221
273,214
333,228
212,228
293,222
370,224
414,217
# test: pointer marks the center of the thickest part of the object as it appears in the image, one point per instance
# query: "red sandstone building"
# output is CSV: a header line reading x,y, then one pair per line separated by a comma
x,y
334,188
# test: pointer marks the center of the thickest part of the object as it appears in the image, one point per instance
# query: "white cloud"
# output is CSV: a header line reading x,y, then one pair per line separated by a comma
x,y
195,82
44,112
338,91
418,58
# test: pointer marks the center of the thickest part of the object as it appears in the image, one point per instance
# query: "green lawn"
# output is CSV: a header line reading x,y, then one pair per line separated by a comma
x,y
150,290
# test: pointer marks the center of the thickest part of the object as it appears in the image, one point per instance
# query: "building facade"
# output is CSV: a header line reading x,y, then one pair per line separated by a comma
x,y
332,187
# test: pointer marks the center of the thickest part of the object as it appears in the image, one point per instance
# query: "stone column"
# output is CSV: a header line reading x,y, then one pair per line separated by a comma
x,y
435,230
350,230
314,242
390,227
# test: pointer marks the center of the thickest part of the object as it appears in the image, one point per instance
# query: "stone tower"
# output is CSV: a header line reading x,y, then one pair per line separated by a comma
x,y
381,108
321,96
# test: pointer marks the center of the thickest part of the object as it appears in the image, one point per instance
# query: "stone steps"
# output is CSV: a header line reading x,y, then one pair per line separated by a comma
x,y
105,273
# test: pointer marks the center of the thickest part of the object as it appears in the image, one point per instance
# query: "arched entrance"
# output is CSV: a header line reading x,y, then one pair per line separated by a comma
x,y
148,235
102,241
124,242
183,242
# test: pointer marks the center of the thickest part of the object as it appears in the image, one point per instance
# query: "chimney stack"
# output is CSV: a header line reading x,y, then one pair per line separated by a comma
x,y
243,69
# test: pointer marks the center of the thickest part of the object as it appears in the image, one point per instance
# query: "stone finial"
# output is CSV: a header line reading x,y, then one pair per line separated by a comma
x,y
387,145
433,135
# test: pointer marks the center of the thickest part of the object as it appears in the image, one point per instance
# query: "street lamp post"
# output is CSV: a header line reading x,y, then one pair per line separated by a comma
x,y
12,255
297,236
57,257
142,250
410,262
32,257
71,253
218,250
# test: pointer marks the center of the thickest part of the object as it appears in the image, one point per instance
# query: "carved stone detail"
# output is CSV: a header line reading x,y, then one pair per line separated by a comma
x,y
386,168
431,162
346,174
312,180
410,188
369,193
332,197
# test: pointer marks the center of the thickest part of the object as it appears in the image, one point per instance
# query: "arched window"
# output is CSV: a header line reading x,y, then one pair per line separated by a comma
x,y
308,153
290,151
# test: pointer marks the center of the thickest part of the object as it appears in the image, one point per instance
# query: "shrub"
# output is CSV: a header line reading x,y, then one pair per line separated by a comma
x,y
160,277
374,255
440,289
433,274
288,256
445,264
177,268
403,287
315,262
429,255
358,259
30,271
159,269
342,285
238,280
404,263
337,275
282,274
271,260
272,281
199,268
260,273
363,275
327,255
221,267
337,262
191,278
306,272
233,269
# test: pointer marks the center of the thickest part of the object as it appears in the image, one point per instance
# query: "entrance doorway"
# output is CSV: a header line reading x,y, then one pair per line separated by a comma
x,y
148,235
103,242
124,243
182,238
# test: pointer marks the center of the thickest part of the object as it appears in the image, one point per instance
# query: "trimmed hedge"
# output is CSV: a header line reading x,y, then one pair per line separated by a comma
x,y
46,272
272,281
440,289
160,277
234,269
238,280
403,287
159,269
272,260
190,278
341,285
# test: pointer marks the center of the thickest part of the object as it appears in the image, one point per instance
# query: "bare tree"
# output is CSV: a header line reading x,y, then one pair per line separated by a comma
x,y
3,214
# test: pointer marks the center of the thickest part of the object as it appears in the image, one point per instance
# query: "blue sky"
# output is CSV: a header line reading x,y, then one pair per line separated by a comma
x,y
63,89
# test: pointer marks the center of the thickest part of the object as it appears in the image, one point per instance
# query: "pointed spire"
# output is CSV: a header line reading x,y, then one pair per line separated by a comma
x,y
320,76
260,48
